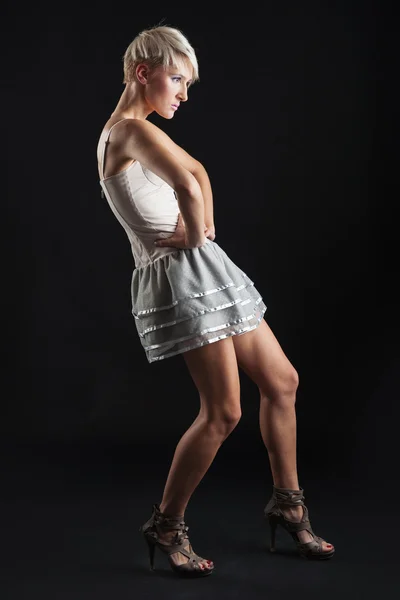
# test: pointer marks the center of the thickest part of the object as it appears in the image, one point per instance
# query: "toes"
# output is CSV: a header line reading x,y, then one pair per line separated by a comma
x,y
327,547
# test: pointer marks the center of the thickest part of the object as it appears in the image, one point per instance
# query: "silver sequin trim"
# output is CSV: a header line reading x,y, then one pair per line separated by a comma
x,y
208,330
202,312
197,295
216,339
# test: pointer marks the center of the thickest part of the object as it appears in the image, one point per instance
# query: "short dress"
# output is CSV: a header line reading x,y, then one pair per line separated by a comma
x,y
181,298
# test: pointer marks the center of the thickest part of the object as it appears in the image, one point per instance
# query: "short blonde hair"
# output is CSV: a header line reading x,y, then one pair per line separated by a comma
x,y
159,46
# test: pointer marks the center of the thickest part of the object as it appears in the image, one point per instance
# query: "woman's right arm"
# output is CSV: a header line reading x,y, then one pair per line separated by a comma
x,y
142,143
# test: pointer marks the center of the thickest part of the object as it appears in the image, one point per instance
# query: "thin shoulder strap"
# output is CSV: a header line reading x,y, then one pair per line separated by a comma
x,y
103,150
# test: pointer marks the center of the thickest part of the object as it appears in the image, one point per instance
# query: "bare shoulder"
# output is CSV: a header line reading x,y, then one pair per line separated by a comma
x,y
142,129
145,132
140,140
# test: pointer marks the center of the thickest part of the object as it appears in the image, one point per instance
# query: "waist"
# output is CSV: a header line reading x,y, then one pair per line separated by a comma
x,y
146,254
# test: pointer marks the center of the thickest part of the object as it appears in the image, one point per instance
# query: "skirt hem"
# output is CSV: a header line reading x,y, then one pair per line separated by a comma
x,y
209,341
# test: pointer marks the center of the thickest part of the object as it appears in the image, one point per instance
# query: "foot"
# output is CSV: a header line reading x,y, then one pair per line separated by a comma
x,y
295,513
178,558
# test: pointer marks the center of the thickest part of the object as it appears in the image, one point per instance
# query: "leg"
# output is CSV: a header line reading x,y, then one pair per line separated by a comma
x,y
263,360
214,370
261,357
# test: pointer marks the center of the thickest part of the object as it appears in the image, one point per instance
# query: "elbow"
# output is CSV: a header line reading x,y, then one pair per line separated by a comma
x,y
197,167
187,185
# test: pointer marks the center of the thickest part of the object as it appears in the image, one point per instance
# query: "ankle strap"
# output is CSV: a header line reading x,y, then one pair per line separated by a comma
x,y
289,496
172,520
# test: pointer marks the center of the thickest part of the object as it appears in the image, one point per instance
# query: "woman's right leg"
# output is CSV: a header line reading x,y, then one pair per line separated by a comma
x,y
214,370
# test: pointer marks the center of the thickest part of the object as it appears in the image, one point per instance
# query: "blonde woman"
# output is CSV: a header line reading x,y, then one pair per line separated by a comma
x,y
189,298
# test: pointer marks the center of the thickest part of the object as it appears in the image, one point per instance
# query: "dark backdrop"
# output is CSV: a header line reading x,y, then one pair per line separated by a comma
x,y
287,120
294,121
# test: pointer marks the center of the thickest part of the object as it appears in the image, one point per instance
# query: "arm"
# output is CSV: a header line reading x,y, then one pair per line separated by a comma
x,y
202,177
143,144
198,171
191,206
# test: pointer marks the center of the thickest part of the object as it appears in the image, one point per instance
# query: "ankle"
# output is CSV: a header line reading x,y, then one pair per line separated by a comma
x,y
169,510
291,483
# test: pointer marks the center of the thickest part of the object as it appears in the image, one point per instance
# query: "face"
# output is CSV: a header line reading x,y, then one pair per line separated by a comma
x,y
165,89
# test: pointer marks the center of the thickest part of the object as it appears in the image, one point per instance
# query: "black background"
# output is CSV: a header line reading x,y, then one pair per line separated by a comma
x,y
291,119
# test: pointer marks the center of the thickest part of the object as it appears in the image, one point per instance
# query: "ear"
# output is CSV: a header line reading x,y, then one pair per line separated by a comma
x,y
142,72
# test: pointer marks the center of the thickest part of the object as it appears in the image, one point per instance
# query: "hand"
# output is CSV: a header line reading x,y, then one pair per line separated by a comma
x,y
178,238
210,232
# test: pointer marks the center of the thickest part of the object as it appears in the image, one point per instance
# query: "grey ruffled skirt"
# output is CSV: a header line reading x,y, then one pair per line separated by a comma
x,y
190,298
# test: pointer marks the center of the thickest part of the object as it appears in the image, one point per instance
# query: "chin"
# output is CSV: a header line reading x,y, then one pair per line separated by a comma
x,y
166,115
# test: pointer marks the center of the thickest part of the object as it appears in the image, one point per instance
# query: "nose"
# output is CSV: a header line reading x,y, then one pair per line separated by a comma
x,y
183,95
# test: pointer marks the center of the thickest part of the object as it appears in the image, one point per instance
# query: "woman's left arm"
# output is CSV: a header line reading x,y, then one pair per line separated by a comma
x,y
204,181
198,171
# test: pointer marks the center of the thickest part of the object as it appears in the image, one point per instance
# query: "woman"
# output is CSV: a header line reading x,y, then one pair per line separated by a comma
x,y
189,298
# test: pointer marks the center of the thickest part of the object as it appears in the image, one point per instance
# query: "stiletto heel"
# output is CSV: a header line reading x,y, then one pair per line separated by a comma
x,y
152,549
275,516
272,523
193,567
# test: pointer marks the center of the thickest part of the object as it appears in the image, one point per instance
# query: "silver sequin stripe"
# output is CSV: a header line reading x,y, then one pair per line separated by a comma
x,y
202,312
216,339
216,328
197,295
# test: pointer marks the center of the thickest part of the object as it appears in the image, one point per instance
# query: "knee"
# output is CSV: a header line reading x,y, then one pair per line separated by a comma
x,y
292,381
284,389
225,425
224,421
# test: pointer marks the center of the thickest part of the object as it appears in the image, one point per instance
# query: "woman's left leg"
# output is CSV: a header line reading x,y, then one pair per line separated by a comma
x,y
261,357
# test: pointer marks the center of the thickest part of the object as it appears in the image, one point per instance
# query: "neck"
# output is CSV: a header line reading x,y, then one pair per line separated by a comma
x,y
132,104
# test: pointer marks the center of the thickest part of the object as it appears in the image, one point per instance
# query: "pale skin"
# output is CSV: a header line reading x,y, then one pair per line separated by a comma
x,y
213,367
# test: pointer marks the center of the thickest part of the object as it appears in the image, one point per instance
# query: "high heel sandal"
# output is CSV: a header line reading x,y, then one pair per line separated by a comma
x,y
192,567
272,512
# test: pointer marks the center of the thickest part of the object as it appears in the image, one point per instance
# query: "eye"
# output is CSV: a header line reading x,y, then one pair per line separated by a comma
x,y
177,78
